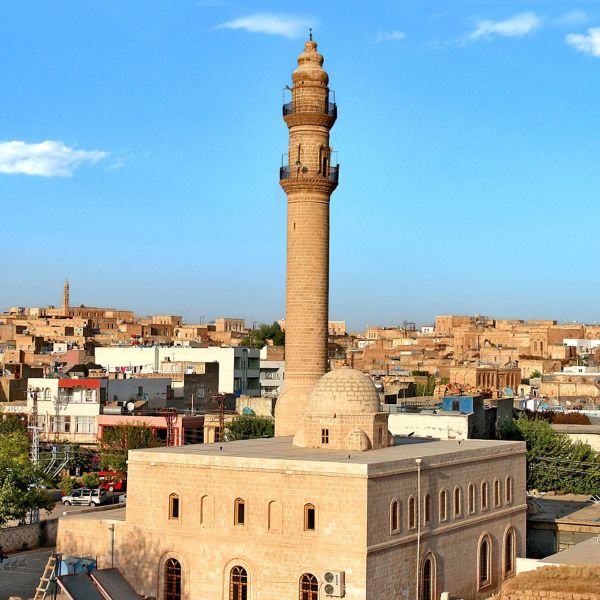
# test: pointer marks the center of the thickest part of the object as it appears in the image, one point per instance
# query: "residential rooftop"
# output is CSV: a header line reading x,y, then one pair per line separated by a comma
x,y
573,509
584,553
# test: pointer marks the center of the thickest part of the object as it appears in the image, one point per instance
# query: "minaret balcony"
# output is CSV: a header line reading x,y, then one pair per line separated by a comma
x,y
298,176
294,108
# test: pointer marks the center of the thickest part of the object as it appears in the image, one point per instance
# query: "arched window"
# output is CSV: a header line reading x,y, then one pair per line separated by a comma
x,y
427,584
239,510
275,517
310,517
535,346
394,516
484,495
457,502
484,563
443,505
471,499
412,513
238,584
207,510
309,587
172,580
496,493
509,553
174,507
427,509
509,489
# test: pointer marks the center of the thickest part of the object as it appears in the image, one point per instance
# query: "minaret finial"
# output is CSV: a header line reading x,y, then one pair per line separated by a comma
x,y
310,33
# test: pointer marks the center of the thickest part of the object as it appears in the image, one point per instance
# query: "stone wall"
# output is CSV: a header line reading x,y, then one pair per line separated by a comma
x,y
26,537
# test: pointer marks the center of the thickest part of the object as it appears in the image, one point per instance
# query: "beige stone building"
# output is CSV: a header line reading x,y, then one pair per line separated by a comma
x,y
339,508
341,505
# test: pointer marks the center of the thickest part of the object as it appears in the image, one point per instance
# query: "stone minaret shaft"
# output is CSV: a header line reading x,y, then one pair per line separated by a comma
x,y
308,179
65,303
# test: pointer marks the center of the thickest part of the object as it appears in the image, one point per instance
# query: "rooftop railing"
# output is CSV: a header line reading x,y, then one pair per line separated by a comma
x,y
291,108
286,172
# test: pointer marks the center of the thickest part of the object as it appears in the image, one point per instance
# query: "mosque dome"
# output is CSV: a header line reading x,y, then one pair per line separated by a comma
x,y
344,391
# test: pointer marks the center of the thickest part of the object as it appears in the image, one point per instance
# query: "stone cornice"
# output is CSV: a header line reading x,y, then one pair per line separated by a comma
x,y
320,119
308,184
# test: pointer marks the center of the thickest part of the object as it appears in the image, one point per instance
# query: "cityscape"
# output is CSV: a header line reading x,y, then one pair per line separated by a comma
x,y
275,445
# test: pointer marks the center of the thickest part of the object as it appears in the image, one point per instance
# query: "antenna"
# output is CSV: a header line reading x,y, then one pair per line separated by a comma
x,y
310,33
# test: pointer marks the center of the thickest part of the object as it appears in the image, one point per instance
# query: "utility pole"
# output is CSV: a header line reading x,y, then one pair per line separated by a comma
x,y
34,426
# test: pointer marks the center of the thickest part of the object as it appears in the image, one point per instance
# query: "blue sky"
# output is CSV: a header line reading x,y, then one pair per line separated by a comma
x,y
140,143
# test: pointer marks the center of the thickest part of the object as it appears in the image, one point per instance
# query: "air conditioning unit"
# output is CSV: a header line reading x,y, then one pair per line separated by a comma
x,y
334,584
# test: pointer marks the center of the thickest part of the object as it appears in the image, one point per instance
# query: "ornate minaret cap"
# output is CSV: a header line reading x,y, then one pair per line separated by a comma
x,y
310,66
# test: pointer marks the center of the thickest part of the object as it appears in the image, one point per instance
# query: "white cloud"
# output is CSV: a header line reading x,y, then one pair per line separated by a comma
x,y
386,36
48,159
589,44
516,26
574,17
286,25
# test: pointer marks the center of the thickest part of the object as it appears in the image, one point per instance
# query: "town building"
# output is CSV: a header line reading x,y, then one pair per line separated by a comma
x,y
239,368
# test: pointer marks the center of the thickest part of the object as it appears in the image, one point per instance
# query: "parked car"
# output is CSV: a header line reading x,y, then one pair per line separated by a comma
x,y
85,496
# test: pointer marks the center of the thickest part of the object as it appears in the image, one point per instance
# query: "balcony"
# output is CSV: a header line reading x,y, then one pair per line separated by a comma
x,y
332,175
329,109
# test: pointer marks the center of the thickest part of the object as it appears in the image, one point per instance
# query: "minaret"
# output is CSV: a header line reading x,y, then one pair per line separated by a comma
x,y
65,304
308,179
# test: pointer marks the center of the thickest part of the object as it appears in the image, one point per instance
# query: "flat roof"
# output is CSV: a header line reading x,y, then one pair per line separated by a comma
x,y
573,509
108,514
279,453
585,553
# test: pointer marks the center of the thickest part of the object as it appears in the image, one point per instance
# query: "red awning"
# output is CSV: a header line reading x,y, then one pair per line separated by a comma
x,y
92,384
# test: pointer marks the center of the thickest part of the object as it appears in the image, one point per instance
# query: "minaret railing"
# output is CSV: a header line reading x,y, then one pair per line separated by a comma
x,y
291,108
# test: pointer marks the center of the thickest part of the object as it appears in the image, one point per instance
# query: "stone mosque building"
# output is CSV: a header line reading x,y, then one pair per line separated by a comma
x,y
333,506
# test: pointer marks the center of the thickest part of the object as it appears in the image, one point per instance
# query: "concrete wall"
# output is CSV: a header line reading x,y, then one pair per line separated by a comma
x,y
448,426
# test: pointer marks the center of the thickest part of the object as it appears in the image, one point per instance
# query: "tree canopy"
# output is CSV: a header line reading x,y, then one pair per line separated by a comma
x,y
554,461
247,427
257,338
119,439
22,485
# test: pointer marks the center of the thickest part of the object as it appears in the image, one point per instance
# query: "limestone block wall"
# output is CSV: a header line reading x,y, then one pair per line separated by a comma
x,y
272,545
452,539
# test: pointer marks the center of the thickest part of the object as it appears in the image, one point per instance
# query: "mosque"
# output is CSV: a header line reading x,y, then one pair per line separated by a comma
x,y
334,506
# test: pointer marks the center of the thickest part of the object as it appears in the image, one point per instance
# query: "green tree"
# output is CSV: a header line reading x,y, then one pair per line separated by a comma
x,y
119,439
66,485
426,389
10,424
257,338
536,374
14,446
554,461
22,486
247,427
91,480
